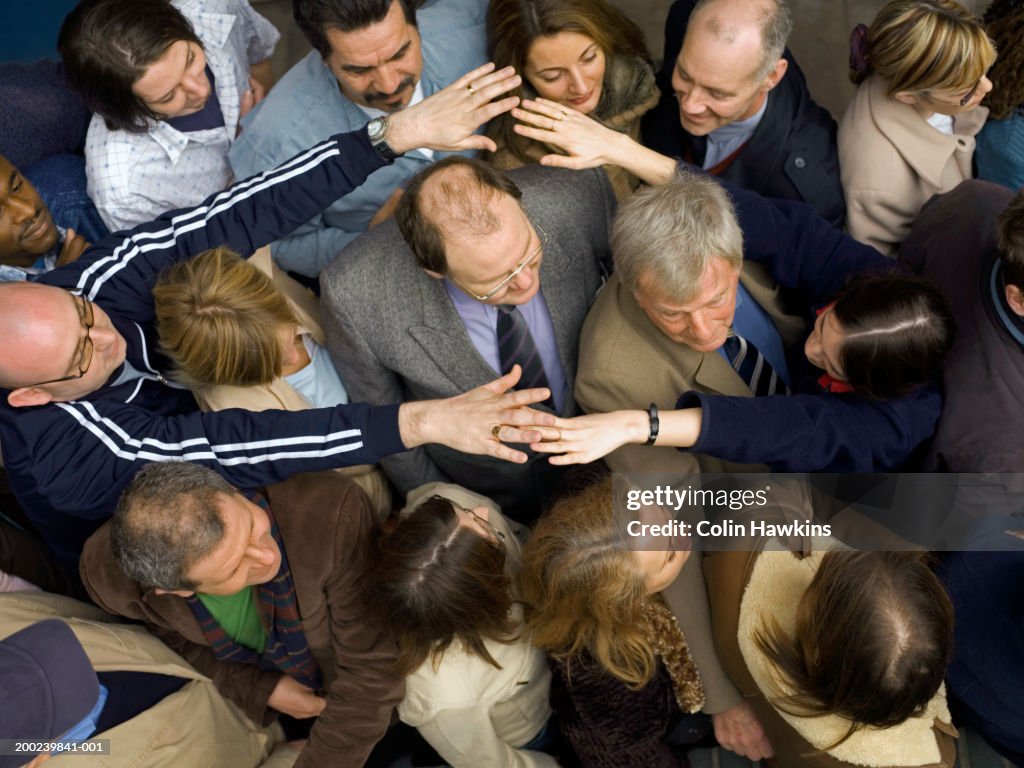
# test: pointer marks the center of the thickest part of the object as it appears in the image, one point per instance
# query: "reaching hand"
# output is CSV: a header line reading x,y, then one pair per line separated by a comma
x,y
291,697
467,422
387,210
73,247
447,120
588,143
253,96
739,731
587,438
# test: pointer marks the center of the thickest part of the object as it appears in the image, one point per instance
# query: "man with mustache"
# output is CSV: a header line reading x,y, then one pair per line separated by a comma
x,y
371,58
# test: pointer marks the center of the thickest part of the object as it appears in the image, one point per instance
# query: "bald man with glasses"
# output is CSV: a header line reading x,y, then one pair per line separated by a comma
x,y
85,392
480,270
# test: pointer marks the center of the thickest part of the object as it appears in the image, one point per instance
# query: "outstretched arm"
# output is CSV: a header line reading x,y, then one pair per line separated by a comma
x,y
583,439
121,269
587,143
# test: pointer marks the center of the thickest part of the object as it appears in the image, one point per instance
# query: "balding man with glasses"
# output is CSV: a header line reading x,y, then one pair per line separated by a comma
x,y
479,271
85,399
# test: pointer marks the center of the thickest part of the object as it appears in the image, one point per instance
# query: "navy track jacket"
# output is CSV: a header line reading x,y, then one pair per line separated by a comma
x,y
68,462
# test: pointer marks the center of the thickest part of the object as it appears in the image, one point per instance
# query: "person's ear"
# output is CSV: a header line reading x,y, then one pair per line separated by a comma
x,y
23,397
1015,298
433,274
777,73
178,592
908,98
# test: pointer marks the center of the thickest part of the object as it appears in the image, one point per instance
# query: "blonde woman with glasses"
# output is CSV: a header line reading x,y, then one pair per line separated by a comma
x,y
909,131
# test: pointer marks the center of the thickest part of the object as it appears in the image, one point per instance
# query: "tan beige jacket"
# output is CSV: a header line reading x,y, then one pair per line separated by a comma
x,y
892,161
626,362
280,394
194,726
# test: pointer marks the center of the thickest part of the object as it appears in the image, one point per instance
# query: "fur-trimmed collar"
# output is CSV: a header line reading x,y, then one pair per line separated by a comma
x,y
777,582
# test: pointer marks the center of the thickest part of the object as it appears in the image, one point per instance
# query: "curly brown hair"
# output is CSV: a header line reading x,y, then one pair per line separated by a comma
x,y
1004,22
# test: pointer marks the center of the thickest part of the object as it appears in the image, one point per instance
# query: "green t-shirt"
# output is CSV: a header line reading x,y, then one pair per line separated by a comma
x,y
239,617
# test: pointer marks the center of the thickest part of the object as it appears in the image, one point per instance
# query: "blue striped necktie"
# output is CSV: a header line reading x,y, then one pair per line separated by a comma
x,y
516,345
753,367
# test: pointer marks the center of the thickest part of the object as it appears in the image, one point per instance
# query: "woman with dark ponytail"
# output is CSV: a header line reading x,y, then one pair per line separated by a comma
x,y
865,402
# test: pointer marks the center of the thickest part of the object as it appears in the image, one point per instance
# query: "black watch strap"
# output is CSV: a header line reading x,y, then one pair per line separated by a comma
x,y
655,424
381,142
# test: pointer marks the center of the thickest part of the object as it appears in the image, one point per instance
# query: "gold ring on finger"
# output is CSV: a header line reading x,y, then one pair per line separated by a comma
x,y
469,87
496,431
559,433
562,116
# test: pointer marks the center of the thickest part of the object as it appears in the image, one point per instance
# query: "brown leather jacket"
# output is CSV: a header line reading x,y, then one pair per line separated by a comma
x,y
325,522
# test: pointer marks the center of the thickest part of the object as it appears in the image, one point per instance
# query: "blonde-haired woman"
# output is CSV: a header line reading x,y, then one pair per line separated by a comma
x,y
909,131
242,334
627,632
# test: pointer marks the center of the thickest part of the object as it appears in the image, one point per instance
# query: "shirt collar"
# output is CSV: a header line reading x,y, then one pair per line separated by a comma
x,y
417,97
739,128
212,28
1011,322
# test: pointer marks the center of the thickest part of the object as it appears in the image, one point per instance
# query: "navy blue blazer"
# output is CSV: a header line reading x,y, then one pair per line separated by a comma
x,y
792,153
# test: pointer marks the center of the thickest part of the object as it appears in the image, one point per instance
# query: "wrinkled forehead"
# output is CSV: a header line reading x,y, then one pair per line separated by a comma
x,y
373,44
718,277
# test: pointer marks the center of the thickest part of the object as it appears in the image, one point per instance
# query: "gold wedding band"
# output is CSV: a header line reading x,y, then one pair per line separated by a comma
x,y
469,87
496,430
562,116
559,433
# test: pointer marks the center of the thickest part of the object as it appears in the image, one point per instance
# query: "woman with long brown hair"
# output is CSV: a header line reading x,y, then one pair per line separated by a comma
x,y
841,653
584,54
624,622
476,689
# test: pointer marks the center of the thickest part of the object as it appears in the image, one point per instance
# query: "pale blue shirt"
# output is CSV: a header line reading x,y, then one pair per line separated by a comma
x,y
318,382
481,322
756,326
417,97
306,107
723,141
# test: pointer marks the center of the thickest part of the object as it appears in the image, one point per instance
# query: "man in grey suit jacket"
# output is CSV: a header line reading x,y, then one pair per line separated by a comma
x,y
414,317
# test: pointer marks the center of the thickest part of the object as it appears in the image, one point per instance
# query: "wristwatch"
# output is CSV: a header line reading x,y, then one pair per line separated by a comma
x,y
378,132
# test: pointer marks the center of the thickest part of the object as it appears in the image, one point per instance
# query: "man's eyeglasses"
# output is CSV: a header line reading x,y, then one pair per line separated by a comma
x,y
534,255
498,536
87,318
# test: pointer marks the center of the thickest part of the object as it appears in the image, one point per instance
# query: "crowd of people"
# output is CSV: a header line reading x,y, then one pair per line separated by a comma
x,y
298,371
